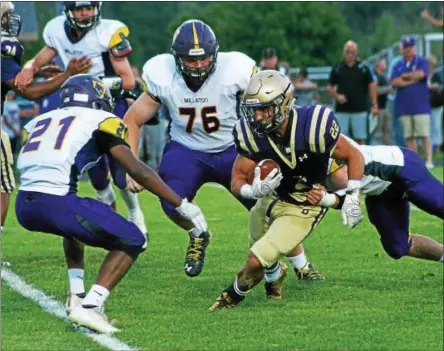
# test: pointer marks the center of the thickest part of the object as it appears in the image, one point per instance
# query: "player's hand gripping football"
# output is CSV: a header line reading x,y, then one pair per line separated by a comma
x,y
351,211
132,185
261,188
193,214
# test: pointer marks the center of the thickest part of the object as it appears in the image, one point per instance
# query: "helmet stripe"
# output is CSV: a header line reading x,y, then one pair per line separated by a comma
x,y
196,38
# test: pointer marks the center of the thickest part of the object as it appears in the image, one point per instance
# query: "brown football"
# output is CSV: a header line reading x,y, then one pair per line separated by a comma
x,y
266,167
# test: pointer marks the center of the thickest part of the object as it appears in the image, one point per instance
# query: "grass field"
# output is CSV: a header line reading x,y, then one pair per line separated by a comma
x,y
368,301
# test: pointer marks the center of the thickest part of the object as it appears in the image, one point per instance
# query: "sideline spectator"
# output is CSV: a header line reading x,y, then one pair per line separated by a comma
x,y
305,90
269,59
436,22
383,89
11,121
354,81
412,105
436,101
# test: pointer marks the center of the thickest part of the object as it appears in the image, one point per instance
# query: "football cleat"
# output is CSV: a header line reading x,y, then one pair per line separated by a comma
x,y
92,318
139,220
72,301
309,273
224,301
195,257
273,290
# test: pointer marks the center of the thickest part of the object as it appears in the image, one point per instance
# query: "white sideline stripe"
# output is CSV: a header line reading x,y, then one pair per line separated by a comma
x,y
16,283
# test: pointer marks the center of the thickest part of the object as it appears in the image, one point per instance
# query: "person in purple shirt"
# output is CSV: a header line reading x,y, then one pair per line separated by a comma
x,y
412,104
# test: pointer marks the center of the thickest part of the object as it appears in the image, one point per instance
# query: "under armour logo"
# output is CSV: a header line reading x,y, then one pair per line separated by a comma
x,y
301,159
188,268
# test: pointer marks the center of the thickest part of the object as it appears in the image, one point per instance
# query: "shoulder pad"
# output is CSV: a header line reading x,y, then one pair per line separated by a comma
x,y
244,138
238,65
114,126
159,70
108,32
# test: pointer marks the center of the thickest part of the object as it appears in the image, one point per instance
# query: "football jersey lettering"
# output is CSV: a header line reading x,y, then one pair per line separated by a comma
x,y
208,114
65,124
114,126
34,140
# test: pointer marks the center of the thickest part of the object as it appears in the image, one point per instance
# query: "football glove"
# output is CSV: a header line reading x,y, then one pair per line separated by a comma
x,y
193,214
351,211
261,188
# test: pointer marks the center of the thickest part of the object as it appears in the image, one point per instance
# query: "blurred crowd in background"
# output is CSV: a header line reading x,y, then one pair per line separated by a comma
x,y
386,103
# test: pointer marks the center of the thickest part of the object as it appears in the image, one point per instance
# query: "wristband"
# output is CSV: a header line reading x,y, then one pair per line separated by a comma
x,y
246,191
328,200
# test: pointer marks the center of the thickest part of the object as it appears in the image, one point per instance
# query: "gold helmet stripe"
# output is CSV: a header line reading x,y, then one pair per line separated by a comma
x,y
196,38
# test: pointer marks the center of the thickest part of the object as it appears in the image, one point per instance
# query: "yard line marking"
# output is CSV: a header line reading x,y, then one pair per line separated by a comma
x,y
16,283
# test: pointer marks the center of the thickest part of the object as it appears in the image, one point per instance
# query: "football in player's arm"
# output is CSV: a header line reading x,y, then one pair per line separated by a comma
x,y
301,141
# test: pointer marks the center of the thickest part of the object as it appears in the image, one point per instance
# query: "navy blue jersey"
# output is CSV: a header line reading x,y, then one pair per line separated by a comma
x,y
12,52
303,153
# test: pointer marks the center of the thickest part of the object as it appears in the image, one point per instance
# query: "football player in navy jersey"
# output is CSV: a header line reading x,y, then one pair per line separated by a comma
x,y
301,141
12,52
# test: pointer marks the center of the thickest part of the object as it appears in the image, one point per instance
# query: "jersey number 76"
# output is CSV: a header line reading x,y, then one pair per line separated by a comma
x,y
210,122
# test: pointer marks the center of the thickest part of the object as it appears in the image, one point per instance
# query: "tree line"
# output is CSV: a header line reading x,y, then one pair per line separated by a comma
x,y
304,33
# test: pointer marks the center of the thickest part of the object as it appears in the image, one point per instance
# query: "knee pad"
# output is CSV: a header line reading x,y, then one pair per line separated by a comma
x,y
396,250
99,179
265,252
106,195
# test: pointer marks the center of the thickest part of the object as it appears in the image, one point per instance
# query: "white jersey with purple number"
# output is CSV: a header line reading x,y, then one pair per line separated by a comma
x,y
60,146
201,120
379,160
95,44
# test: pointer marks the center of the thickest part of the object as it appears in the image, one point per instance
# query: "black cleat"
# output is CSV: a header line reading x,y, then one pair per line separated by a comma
x,y
224,301
309,273
195,257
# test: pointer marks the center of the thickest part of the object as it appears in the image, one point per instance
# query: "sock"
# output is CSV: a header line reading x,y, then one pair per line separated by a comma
x,y
107,195
441,259
95,297
76,277
235,293
299,261
272,273
195,232
131,201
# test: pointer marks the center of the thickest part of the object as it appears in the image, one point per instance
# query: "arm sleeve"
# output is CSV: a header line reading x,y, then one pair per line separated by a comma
x,y
150,87
245,143
10,68
322,130
333,76
105,141
395,72
48,38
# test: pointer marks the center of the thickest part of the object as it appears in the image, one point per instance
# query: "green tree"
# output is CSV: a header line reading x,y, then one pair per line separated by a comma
x,y
303,33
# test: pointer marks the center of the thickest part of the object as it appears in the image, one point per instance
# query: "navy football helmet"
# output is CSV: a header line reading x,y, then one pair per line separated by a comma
x,y
85,90
194,40
84,24
11,23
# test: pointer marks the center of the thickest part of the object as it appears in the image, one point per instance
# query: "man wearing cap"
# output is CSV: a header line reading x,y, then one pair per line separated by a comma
x,y
412,104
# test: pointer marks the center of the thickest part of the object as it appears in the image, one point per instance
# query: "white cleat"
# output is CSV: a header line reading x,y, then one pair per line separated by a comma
x,y
139,220
72,301
92,318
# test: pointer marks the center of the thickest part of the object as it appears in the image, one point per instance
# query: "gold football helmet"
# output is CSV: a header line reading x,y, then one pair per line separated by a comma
x,y
267,88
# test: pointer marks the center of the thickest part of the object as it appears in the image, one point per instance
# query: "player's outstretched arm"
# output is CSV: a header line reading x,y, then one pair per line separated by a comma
x,y
143,109
345,151
151,181
35,91
31,67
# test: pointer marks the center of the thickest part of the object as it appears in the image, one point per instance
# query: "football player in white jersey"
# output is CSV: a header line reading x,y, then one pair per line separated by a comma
x,y
82,31
394,177
201,88
59,146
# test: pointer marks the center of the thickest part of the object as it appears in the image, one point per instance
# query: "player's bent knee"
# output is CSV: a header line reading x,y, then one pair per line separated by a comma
x,y
396,251
254,262
265,252
133,246
169,209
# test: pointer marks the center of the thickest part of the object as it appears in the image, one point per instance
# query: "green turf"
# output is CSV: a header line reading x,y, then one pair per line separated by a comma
x,y
368,301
